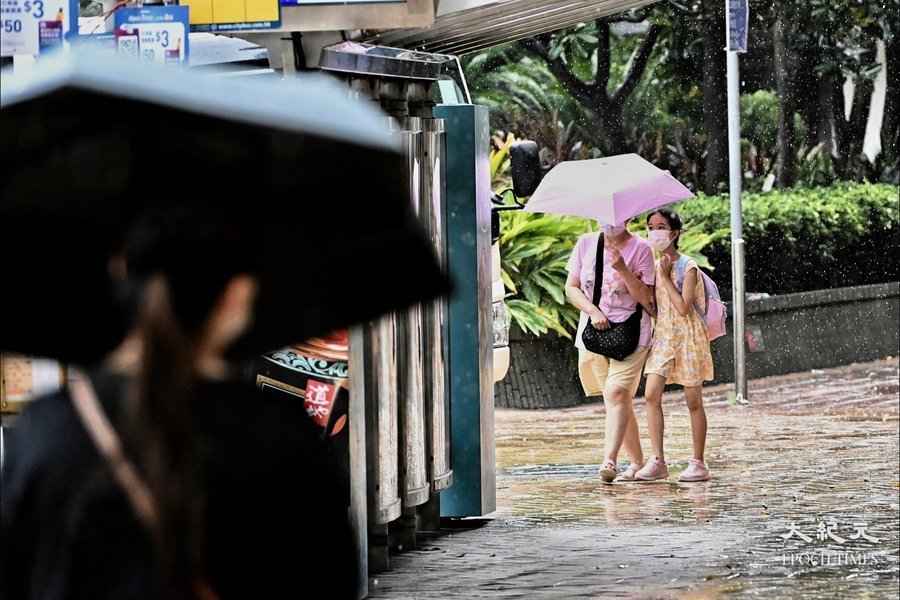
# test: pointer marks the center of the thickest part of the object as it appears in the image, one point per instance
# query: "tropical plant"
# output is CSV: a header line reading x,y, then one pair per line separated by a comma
x,y
499,161
815,166
524,97
534,251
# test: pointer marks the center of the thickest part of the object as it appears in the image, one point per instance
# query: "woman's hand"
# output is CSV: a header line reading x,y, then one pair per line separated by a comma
x,y
616,260
665,265
599,320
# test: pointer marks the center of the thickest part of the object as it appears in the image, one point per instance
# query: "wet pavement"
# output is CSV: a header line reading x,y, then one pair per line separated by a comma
x,y
814,459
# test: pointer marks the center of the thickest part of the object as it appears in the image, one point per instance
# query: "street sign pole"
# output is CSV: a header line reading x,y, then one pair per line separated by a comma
x,y
737,24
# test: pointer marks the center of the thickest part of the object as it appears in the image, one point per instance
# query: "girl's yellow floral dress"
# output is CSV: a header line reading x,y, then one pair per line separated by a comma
x,y
680,349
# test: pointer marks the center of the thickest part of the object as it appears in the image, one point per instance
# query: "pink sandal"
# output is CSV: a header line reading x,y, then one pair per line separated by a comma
x,y
608,471
629,473
696,471
654,470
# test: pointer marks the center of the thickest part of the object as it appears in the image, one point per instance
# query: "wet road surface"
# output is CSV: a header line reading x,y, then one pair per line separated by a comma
x,y
814,459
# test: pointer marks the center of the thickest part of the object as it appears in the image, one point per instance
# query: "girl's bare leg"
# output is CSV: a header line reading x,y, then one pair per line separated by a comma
x,y
655,421
694,397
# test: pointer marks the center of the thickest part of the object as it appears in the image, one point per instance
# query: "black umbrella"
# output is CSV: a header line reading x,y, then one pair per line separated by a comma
x,y
307,183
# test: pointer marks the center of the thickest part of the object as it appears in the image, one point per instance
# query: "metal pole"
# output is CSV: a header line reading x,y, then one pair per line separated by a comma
x,y
359,508
737,239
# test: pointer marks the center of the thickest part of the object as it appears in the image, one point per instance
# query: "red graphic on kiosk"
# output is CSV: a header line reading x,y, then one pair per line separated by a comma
x,y
319,401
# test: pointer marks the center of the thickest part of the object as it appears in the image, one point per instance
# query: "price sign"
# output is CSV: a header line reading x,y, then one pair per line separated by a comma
x,y
30,27
153,33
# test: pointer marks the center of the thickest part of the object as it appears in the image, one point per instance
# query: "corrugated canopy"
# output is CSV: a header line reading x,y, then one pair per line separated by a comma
x,y
464,26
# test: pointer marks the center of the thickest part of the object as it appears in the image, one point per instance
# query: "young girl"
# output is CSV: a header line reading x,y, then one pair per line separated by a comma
x,y
680,351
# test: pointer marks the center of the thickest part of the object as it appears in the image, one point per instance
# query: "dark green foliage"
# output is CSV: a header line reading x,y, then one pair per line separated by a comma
x,y
807,238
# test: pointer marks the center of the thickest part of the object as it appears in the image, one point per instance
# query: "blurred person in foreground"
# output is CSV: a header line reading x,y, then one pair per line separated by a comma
x,y
224,205
161,474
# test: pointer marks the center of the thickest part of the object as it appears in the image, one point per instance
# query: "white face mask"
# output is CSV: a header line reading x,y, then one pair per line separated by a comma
x,y
660,239
613,230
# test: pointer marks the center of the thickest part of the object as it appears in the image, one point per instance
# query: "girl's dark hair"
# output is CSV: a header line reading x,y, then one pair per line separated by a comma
x,y
672,218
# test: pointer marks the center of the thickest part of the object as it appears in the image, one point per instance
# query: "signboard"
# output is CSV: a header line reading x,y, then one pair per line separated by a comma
x,y
233,15
738,22
755,341
153,33
342,2
29,27
23,378
105,42
315,372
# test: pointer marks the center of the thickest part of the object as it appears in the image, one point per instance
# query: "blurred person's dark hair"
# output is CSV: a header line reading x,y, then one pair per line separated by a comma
x,y
178,263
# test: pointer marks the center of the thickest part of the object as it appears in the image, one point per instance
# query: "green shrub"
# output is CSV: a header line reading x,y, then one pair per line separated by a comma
x,y
806,239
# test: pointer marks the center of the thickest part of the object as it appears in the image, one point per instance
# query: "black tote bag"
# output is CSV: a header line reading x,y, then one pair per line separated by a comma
x,y
621,339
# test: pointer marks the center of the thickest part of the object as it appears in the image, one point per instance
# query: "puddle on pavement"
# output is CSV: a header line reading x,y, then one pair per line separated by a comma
x,y
804,459
772,475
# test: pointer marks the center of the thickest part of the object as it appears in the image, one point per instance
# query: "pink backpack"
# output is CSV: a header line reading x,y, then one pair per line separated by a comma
x,y
716,311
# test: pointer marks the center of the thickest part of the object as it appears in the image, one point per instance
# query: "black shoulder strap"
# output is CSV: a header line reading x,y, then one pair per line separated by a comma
x,y
598,270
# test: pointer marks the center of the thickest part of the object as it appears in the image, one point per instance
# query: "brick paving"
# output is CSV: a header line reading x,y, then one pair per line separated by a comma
x,y
812,448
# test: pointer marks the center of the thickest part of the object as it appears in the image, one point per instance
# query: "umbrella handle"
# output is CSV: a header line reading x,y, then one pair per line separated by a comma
x,y
497,200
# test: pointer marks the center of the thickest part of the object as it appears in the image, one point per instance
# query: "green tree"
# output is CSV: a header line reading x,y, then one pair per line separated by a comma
x,y
818,44
580,59
524,97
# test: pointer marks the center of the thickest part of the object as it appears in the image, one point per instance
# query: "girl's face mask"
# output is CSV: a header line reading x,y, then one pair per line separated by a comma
x,y
660,239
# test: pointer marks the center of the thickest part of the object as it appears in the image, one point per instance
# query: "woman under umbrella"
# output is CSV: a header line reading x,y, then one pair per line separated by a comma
x,y
158,474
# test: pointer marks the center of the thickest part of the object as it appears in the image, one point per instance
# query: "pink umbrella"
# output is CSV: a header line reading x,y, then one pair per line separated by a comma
x,y
611,189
